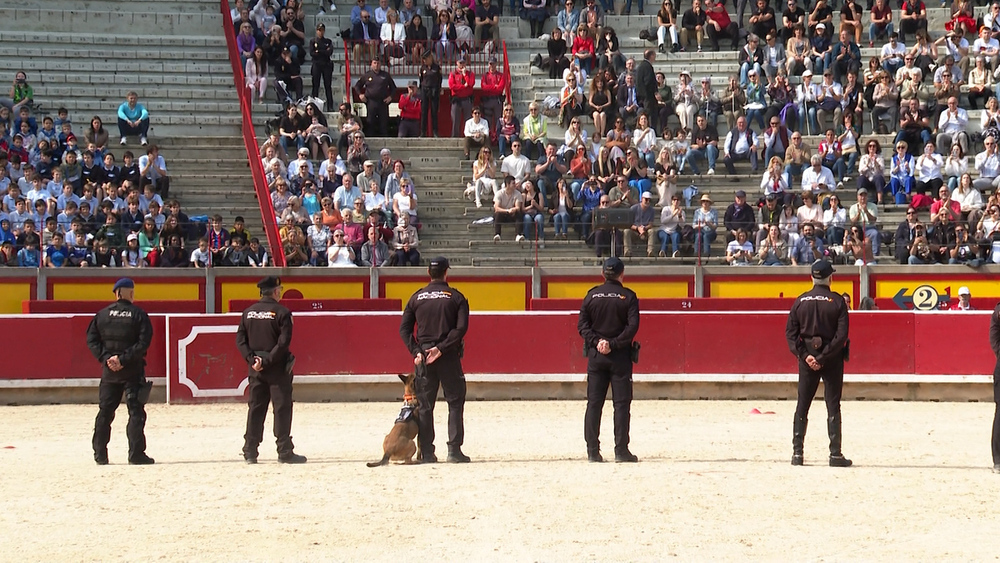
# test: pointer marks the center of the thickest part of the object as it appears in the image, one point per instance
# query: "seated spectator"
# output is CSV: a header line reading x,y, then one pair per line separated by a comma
x,y
508,207
773,250
739,251
965,250
131,254
672,220
871,169
858,247
340,254
292,128
318,236
912,18
133,119
533,220
483,177
741,144
477,132
375,253
153,169
201,257
257,256
864,215
406,243
718,24
255,72
534,132
103,256
316,133
405,201
218,236
927,170
834,220
952,126
942,236
354,233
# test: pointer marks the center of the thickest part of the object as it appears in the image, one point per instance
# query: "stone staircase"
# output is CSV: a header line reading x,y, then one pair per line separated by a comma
x,y
85,56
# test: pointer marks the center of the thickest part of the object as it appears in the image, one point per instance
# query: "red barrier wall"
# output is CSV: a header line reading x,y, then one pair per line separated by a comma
x,y
198,352
687,304
303,305
55,347
151,307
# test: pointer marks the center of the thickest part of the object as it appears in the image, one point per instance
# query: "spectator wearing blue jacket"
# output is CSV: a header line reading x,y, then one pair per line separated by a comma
x,y
133,119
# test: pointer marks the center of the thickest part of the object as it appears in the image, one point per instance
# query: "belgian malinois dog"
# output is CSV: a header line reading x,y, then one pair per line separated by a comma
x,y
398,444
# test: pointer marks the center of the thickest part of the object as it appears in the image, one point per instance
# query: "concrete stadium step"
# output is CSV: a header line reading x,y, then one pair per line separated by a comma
x,y
147,94
159,6
61,21
153,68
139,54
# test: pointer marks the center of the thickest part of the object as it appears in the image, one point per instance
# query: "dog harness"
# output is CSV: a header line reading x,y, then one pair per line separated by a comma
x,y
406,414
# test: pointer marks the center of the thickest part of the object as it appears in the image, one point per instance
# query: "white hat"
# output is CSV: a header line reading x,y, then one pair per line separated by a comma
x,y
964,291
647,195
807,73
821,26
135,237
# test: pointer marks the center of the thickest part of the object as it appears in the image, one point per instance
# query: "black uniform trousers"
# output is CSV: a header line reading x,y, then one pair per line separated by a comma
x,y
378,118
109,397
430,103
832,374
277,391
322,71
614,370
996,416
445,372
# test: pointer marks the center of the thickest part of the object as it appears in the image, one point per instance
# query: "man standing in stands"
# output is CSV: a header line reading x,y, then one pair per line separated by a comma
x,y
118,336
430,94
434,323
263,338
492,88
816,332
321,49
376,88
608,323
461,81
645,85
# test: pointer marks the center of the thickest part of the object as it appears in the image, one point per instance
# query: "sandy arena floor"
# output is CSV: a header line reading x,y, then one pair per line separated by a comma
x,y
714,483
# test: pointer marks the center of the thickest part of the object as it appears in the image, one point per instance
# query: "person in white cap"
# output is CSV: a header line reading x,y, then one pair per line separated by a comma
x,y
806,98
642,228
964,300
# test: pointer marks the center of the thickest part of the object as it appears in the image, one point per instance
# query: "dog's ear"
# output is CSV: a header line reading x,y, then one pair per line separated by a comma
x,y
403,378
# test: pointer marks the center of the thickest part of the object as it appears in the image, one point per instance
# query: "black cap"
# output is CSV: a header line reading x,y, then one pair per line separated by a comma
x,y
821,269
124,283
741,193
440,263
613,266
321,25
270,282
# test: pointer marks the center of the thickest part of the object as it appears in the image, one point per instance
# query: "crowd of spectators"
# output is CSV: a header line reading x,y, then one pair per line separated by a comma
x,y
70,202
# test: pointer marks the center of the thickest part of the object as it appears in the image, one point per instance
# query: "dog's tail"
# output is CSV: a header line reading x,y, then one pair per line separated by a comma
x,y
383,461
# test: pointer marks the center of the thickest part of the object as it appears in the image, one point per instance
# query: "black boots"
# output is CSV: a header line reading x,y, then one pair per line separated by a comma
x,y
625,456
594,455
455,455
141,459
837,458
291,458
798,439
101,457
428,457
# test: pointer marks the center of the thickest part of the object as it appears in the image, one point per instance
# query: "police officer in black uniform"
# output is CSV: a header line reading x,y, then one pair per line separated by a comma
x,y
376,89
441,315
817,332
118,336
609,321
995,345
263,338
321,49
430,93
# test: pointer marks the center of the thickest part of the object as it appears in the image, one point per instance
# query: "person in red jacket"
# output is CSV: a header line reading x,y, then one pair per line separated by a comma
x,y
492,86
461,81
719,25
409,112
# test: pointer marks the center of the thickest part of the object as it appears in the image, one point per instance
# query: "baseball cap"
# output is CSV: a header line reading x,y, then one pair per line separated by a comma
x,y
741,193
124,283
321,25
862,191
822,269
807,73
439,263
270,282
132,237
647,195
964,291
613,266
